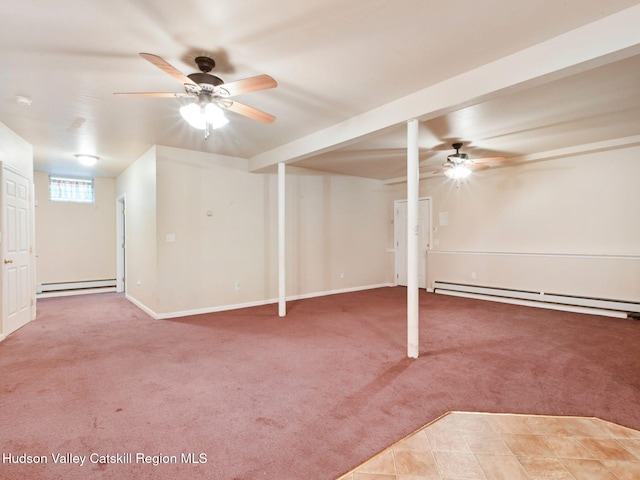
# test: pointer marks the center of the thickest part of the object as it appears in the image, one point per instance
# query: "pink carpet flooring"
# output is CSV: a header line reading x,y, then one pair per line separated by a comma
x,y
250,395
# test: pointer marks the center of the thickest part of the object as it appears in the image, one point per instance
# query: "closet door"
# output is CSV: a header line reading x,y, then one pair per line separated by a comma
x,y
17,296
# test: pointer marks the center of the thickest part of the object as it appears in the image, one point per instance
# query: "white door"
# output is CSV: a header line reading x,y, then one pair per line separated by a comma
x,y
17,294
400,234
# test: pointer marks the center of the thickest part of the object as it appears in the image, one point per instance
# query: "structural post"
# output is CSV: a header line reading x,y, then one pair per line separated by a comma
x,y
282,299
412,239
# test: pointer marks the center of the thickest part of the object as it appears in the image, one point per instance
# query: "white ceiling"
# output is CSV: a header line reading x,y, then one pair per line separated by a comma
x,y
333,60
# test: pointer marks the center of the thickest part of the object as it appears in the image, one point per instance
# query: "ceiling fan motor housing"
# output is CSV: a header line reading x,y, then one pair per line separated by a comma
x,y
205,78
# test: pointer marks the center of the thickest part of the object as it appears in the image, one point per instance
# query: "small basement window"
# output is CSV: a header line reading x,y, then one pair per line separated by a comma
x,y
71,190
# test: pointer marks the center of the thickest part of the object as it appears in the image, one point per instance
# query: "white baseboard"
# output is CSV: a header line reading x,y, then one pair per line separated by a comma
x,y
141,306
224,308
531,303
67,293
2,337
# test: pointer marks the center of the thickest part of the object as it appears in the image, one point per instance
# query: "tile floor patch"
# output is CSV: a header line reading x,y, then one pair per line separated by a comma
x,y
488,446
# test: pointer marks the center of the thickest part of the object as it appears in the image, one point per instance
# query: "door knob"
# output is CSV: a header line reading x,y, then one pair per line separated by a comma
x,y
8,261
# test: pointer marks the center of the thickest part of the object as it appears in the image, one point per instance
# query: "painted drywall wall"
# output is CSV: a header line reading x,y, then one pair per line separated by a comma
x,y
337,232
568,226
217,232
15,152
75,241
137,184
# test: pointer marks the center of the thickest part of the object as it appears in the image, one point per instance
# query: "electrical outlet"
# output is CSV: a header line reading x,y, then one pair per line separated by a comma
x,y
237,285
473,275
341,274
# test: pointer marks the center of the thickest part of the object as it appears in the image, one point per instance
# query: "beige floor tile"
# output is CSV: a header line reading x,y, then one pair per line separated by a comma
x,y
632,445
540,425
417,477
372,476
383,464
607,448
473,422
618,431
587,469
567,447
515,424
539,468
623,470
583,427
417,441
527,445
486,442
501,467
458,465
411,462
447,440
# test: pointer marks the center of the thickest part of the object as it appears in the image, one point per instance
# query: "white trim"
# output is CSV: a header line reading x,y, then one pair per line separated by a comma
x,y
121,254
540,297
79,285
630,256
2,336
529,303
258,303
68,293
282,262
141,306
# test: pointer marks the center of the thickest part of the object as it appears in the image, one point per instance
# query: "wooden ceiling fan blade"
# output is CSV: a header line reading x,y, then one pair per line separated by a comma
x,y
166,67
153,94
489,160
474,166
252,84
247,111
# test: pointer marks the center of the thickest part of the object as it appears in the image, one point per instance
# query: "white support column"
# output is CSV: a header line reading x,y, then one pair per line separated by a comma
x,y
412,239
282,299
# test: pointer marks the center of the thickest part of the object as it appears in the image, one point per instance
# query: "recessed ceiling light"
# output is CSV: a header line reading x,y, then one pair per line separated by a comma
x,y
22,100
88,160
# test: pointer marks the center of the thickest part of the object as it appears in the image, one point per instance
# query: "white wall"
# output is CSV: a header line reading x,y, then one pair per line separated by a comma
x,y
15,152
75,241
567,226
138,184
215,232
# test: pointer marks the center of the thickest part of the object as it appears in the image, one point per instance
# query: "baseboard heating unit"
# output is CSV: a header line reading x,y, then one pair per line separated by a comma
x,y
59,289
597,306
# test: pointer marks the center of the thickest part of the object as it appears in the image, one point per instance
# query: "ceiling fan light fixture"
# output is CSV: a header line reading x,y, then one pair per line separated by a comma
x,y
458,172
194,115
198,115
87,160
215,116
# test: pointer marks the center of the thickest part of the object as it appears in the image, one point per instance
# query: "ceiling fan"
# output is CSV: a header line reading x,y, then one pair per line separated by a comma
x,y
210,92
459,165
